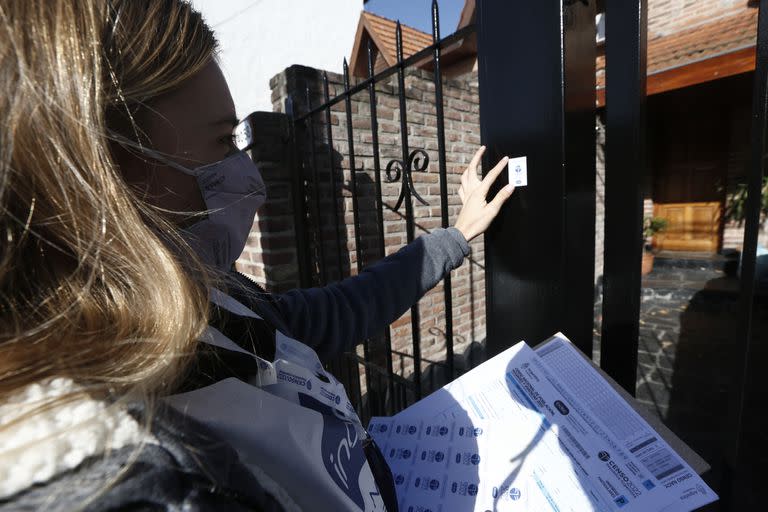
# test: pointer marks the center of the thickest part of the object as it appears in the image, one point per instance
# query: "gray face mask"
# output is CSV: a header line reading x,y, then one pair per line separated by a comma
x,y
232,190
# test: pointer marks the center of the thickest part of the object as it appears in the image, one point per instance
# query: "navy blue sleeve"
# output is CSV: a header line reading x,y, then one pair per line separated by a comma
x,y
335,318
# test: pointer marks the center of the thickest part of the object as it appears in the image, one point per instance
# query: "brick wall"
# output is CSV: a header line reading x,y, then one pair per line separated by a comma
x,y
271,255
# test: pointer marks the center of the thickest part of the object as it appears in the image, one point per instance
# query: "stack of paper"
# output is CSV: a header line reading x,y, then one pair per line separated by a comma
x,y
533,431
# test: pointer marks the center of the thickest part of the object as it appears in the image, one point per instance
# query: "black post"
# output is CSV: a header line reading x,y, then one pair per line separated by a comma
x,y
540,104
626,60
299,203
745,471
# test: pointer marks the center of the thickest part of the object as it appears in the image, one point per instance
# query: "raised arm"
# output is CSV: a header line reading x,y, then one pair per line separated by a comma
x,y
334,318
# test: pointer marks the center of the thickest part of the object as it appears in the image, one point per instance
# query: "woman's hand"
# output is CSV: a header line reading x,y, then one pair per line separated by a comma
x,y
476,214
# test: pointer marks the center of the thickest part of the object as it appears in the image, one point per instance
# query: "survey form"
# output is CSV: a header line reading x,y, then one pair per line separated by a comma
x,y
531,447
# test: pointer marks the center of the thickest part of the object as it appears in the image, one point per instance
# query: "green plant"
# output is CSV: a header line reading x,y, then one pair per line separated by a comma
x,y
653,225
737,203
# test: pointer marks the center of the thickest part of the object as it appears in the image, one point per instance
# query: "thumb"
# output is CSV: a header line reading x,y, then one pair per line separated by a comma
x,y
501,197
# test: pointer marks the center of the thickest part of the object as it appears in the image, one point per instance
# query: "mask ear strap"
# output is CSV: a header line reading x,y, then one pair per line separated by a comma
x,y
124,141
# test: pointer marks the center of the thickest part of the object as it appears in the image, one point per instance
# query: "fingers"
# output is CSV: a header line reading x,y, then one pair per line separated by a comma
x,y
501,197
476,160
493,174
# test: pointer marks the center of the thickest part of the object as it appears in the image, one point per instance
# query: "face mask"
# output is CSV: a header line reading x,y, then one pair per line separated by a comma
x,y
232,190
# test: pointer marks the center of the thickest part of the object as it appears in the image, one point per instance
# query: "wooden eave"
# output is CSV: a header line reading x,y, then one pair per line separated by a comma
x,y
705,70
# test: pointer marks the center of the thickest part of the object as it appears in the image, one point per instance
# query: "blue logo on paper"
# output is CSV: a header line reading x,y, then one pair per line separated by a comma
x,y
434,484
412,430
309,384
439,457
475,459
621,501
514,494
649,485
443,431
478,432
399,479
338,399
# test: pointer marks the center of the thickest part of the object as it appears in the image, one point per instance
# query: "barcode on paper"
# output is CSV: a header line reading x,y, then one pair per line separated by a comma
x,y
658,460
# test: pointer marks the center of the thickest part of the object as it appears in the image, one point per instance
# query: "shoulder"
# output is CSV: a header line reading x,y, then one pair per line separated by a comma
x,y
189,468
177,465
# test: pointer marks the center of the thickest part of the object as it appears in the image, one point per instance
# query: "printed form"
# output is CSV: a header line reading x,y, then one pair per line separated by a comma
x,y
533,431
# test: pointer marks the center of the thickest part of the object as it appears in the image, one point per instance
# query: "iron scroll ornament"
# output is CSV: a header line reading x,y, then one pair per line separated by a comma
x,y
418,161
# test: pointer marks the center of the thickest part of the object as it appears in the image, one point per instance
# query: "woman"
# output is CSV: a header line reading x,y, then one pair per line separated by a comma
x,y
123,205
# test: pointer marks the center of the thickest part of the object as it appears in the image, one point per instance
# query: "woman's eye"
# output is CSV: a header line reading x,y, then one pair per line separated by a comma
x,y
229,140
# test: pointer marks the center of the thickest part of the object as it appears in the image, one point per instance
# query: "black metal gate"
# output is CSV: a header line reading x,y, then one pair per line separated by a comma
x,y
386,391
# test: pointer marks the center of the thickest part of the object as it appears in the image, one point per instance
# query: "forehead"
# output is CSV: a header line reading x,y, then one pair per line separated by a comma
x,y
200,103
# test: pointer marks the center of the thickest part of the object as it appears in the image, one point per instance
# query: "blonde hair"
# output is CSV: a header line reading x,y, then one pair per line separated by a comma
x,y
88,290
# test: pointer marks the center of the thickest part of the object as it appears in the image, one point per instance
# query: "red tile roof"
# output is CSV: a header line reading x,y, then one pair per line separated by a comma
x,y
382,31
697,44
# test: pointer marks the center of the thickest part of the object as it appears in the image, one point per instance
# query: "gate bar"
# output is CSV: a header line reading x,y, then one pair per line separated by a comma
x,y
409,227
626,68
379,211
303,255
438,80
332,172
355,210
316,194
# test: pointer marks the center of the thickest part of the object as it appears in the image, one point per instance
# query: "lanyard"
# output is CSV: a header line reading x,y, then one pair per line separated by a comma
x,y
296,368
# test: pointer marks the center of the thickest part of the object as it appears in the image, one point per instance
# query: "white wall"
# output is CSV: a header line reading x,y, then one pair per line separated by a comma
x,y
260,38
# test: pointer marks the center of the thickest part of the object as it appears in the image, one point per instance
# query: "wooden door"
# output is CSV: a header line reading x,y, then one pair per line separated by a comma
x,y
692,226
690,162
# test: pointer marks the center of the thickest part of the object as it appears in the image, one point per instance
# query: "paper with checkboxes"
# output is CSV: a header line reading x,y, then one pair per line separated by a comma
x,y
532,430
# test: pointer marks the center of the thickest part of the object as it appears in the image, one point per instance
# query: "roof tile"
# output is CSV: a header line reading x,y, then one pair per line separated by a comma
x,y
702,42
413,40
